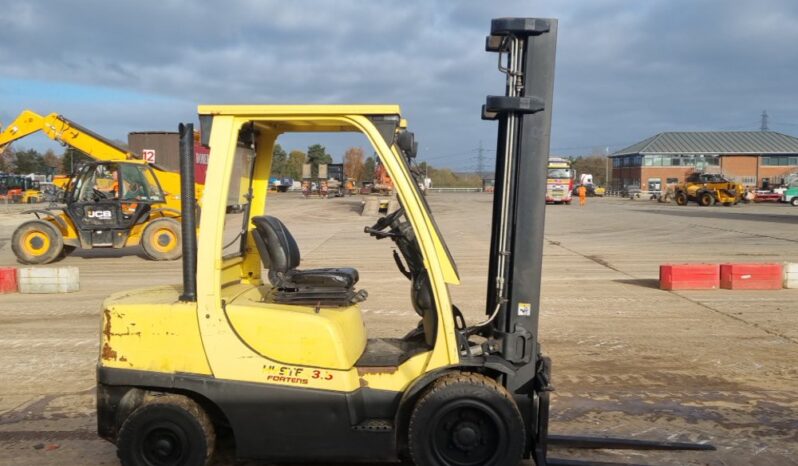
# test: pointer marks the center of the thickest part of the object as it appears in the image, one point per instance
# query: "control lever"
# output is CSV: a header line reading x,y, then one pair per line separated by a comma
x,y
379,234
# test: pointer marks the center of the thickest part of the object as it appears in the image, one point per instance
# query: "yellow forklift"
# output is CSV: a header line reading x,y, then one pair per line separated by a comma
x,y
281,361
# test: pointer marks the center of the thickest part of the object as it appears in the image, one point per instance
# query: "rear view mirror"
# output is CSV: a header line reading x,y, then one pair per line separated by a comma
x,y
407,142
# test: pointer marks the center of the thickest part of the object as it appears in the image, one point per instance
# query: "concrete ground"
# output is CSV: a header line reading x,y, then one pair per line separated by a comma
x,y
629,360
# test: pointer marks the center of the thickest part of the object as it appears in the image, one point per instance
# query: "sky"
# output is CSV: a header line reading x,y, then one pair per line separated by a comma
x,y
626,69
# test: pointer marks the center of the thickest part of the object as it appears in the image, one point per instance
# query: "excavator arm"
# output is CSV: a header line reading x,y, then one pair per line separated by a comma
x,y
67,132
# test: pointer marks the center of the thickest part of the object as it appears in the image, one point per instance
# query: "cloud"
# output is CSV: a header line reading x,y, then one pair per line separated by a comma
x,y
625,69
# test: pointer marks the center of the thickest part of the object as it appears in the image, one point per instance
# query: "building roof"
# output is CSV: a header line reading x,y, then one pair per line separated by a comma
x,y
715,142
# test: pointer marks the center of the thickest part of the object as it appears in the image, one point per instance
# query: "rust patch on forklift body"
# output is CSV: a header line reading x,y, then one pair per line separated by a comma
x,y
108,353
377,370
107,326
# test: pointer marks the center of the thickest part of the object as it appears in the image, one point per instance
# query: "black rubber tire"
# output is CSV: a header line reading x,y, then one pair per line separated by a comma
x,y
160,233
466,419
167,430
37,233
67,250
705,199
794,202
681,198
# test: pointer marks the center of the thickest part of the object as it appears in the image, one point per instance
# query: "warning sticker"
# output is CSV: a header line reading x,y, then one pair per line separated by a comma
x,y
524,309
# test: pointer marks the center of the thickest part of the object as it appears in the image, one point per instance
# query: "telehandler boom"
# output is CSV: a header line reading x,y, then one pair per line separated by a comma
x,y
116,201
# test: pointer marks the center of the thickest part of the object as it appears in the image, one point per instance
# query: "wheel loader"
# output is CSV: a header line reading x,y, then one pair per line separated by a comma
x,y
707,189
255,347
115,201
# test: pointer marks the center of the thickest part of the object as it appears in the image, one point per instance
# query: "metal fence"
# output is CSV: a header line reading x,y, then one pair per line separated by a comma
x,y
454,190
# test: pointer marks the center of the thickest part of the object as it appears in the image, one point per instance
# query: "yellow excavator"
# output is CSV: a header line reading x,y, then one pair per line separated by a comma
x,y
117,200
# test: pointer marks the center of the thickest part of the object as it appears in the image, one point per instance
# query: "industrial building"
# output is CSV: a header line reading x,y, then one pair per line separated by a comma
x,y
753,158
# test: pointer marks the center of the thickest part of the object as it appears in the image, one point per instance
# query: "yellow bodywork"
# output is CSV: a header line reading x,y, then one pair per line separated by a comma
x,y
234,331
136,332
294,333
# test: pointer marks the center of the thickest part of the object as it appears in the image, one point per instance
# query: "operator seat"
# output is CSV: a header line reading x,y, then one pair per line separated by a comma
x,y
279,253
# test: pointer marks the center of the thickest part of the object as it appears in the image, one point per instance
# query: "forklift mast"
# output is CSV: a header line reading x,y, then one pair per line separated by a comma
x,y
526,48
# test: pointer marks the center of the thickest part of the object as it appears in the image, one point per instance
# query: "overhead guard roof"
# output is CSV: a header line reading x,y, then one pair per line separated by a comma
x,y
302,118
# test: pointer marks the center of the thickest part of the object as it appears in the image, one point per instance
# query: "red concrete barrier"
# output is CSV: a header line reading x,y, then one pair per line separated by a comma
x,y
751,276
8,280
689,276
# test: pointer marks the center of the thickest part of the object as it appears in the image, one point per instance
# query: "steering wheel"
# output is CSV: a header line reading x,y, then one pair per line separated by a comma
x,y
378,229
99,195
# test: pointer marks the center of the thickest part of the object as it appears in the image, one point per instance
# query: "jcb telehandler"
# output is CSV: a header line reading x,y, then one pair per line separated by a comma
x,y
282,362
117,200
707,189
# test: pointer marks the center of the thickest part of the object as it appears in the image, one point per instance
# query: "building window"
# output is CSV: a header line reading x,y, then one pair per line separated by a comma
x,y
672,180
779,160
655,184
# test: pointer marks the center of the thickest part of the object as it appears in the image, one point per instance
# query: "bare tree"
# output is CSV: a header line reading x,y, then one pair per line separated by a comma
x,y
353,163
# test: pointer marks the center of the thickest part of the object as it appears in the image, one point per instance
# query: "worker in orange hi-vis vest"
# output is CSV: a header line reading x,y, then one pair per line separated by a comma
x,y
582,195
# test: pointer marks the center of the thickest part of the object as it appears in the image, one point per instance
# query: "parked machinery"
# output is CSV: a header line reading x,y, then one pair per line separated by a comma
x,y
116,200
707,189
20,189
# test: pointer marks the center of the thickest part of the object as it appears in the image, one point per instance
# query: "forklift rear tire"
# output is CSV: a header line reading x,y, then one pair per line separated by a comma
x,y
466,419
168,430
161,240
681,199
37,242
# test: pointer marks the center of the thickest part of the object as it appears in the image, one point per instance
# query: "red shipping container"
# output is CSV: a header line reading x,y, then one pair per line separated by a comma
x,y
751,276
8,280
689,276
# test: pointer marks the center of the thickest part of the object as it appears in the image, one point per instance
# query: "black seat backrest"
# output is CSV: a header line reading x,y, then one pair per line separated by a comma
x,y
278,249
424,304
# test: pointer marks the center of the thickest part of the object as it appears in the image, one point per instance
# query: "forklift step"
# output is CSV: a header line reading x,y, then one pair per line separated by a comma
x,y
375,425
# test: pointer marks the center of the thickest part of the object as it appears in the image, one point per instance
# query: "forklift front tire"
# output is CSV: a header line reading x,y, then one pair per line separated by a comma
x,y
161,240
466,419
168,430
37,242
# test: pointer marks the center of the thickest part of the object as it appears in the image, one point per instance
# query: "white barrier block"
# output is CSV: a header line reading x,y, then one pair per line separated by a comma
x,y
791,284
791,267
48,279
